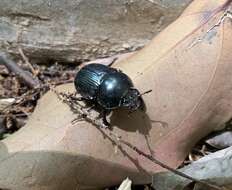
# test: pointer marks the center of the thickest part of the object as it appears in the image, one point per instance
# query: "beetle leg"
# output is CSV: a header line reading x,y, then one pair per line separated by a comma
x,y
90,108
88,103
103,115
79,98
105,122
119,70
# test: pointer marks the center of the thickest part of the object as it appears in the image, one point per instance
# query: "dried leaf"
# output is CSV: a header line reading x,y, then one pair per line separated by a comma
x,y
187,66
215,168
221,140
6,102
125,185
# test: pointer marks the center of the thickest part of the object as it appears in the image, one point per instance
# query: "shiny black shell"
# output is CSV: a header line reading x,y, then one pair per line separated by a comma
x,y
112,89
102,84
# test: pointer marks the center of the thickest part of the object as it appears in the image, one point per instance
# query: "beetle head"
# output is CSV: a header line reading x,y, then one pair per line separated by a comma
x,y
132,100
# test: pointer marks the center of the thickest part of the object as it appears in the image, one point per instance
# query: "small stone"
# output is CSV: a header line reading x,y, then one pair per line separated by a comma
x,y
26,22
94,50
126,46
104,51
6,102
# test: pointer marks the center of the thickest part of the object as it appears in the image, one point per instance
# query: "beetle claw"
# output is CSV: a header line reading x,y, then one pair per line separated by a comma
x,y
103,116
105,122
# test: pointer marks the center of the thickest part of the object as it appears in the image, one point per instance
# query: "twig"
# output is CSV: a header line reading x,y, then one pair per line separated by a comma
x,y
29,15
68,99
151,158
13,67
26,60
157,4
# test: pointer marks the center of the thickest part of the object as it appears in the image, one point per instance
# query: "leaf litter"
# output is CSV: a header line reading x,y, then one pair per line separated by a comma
x,y
15,114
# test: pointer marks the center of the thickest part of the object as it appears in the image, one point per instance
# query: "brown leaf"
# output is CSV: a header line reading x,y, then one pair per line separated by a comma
x,y
187,66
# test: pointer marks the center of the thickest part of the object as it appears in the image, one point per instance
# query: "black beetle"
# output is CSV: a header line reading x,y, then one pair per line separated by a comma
x,y
107,88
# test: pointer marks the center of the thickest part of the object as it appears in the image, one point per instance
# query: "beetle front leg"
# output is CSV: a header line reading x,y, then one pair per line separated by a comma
x,y
79,98
88,102
104,119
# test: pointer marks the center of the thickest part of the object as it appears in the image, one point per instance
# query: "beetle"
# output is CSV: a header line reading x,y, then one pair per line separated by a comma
x,y
107,88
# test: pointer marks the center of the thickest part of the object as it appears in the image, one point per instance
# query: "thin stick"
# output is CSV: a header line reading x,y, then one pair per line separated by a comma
x,y
151,158
66,98
69,99
26,60
157,4
13,67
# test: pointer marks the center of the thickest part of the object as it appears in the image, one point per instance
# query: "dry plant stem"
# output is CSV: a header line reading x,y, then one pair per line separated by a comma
x,y
70,101
26,60
150,157
33,92
67,98
13,67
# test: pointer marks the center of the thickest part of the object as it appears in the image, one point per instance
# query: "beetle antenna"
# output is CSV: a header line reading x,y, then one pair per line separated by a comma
x,y
146,92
